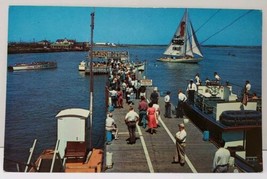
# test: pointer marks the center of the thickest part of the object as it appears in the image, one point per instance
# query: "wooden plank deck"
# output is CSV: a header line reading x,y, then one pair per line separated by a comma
x,y
154,153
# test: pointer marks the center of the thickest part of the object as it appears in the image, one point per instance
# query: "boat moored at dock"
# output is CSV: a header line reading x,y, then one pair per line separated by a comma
x,y
218,111
98,67
103,61
33,66
72,151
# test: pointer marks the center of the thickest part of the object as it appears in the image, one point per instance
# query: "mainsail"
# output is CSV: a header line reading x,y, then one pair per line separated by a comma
x,y
184,43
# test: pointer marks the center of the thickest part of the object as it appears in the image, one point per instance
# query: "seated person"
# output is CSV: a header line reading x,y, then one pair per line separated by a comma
x,y
111,126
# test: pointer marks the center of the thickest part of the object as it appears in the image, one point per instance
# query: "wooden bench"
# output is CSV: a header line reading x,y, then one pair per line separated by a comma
x,y
75,150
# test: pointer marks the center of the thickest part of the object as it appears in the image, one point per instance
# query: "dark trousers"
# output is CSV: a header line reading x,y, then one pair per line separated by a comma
x,y
191,96
114,101
180,109
124,94
167,109
142,119
221,169
131,128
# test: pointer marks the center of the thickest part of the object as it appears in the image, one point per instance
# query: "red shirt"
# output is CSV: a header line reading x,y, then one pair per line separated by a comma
x,y
142,105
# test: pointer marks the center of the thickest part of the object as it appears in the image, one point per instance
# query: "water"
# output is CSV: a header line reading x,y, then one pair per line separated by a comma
x,y
35,97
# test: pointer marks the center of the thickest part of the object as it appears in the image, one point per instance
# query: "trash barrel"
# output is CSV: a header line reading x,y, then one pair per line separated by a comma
x,y
110,108
109,136
206,135
109,160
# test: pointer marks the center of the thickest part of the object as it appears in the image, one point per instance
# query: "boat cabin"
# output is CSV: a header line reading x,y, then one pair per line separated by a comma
x,y
71,132
219,111
215,99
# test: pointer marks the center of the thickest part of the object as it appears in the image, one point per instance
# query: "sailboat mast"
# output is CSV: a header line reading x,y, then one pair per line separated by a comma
x,y
187,47
91,79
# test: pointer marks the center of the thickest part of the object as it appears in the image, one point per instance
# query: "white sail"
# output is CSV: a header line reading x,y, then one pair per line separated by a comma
x,y
195,45
184,45
176,46
189,52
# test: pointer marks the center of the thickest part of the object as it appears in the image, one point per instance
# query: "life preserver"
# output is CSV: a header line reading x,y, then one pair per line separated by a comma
x,y
214,90
240,118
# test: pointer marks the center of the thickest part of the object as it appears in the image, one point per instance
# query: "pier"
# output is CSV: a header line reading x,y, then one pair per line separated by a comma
x,y
154,153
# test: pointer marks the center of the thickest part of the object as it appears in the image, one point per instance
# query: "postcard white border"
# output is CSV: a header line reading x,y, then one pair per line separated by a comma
x,y
232,4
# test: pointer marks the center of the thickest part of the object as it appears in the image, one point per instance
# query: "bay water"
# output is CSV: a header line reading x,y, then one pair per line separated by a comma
x,y
35,97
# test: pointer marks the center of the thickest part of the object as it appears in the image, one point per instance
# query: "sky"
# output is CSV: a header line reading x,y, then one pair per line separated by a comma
x,y
149,26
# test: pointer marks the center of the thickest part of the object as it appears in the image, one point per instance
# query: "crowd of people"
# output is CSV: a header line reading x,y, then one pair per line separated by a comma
x,y
124,85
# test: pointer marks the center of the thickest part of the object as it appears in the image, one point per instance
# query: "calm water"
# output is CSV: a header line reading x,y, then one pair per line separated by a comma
x,y
35,97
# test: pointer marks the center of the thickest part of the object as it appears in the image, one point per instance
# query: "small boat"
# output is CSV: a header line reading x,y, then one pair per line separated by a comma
x,y
218,111
184,47
140,66
82,66
71,153
33,66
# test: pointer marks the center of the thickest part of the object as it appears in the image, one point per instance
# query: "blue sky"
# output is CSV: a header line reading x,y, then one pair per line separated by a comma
x,y
132,25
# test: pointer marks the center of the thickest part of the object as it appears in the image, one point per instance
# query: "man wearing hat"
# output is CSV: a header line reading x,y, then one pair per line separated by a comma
x,y
154,96
167,105
180,137
191,89
111,126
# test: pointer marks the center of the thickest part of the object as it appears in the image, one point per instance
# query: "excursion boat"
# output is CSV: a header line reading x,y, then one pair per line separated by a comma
x,y
101,61
184,47
98,67
33,66
220,114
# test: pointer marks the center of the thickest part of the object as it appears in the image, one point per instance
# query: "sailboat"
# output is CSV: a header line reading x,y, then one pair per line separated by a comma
x,y
184,47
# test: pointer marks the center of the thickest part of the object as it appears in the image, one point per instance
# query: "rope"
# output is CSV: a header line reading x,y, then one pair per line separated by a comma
x,y
243,15
194,33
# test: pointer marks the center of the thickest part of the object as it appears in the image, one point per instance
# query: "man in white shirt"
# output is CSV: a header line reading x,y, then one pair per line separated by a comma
x,y
248,87
167,99
130,120
221,159
191,89
111,126
180,137
217,77
113,94
180,106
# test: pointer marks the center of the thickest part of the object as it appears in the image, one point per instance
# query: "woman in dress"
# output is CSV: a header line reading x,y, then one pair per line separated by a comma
x,y
156,106
120,98
151,117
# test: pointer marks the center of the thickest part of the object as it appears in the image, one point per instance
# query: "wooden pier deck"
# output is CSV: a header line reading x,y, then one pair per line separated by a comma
x,y
154,153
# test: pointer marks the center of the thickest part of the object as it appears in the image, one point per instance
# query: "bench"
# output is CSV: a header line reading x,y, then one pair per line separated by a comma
x,y
75,150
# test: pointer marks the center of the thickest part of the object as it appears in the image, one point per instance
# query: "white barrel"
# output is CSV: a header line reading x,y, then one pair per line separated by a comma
x,y
231,161
109,159
186,120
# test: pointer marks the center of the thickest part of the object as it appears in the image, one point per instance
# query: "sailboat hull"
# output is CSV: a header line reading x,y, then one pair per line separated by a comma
x,y
180,60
